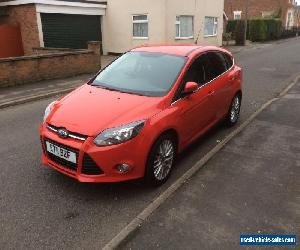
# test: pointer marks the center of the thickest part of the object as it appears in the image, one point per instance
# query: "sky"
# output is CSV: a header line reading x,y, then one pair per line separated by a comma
x,y
298,2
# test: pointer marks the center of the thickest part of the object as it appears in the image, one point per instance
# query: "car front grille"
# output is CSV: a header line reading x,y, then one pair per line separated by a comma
x,y
66,164
89,167
71,134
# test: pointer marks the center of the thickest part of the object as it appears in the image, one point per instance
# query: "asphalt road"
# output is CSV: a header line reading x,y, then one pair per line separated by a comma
x,y
42,209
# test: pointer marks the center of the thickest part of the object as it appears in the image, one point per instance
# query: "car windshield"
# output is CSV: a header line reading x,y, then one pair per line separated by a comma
x,y
141,73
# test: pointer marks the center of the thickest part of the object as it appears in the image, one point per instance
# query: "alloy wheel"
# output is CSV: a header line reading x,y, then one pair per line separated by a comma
x,y
235,109
163,160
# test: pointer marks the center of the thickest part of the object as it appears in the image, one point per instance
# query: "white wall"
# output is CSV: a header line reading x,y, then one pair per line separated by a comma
x,y
117,23
199,9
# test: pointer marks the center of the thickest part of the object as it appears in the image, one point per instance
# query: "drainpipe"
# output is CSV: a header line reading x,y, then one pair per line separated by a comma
x,y
246,20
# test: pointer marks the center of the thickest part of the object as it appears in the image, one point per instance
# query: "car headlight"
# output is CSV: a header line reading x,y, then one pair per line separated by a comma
x,y
114,136
48,110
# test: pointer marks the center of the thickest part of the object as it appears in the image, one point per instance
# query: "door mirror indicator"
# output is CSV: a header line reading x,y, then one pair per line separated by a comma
x,y
190,88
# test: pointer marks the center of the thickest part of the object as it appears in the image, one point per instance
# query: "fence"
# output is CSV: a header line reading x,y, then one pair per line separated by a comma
x,y
291,32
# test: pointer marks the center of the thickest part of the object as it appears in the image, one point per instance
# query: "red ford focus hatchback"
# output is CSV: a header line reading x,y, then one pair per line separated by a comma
x,y
133,118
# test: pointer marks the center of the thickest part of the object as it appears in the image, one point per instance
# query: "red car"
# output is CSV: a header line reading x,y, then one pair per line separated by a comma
x,y
133,118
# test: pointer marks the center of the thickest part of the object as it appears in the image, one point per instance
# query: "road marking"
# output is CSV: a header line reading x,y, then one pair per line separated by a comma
x,y
157,202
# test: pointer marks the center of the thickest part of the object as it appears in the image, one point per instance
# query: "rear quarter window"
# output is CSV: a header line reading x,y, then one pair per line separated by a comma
x,y
229,60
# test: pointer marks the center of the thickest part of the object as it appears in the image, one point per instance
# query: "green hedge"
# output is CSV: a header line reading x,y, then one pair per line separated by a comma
x,y
240,33
232,25
264,29
258,29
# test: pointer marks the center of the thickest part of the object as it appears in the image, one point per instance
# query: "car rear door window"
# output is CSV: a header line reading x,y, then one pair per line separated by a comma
x,y
215,65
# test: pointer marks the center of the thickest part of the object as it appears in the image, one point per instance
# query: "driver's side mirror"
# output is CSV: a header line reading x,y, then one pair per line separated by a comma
x,y
190,88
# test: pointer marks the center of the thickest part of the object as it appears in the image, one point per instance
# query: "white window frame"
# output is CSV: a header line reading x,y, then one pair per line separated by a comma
x,y
289,22
267,14
177,22
140,21
216,26
237,13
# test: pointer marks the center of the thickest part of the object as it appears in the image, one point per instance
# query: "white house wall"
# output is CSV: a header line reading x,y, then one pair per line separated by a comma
x,y
199,9
117,24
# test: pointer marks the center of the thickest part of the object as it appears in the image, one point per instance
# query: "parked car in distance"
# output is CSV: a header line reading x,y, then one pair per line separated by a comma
x,y
133,118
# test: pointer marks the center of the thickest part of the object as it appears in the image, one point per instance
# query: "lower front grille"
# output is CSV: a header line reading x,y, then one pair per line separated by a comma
x,y
89,167
64,163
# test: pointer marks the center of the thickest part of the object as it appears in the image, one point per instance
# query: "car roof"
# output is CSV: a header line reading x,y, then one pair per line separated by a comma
x,y
173,49
176,49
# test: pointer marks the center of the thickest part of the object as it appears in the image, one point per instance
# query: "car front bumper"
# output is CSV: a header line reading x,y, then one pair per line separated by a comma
x,y
133,153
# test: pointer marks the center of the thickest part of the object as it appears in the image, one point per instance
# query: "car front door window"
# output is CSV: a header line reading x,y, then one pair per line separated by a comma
x,y
196,110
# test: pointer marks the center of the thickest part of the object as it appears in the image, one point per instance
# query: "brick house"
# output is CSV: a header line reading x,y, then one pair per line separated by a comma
x,y
122,24
287,10
54,23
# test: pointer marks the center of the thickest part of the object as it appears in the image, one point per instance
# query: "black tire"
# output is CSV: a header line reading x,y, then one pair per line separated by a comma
x,y
150,176
230,121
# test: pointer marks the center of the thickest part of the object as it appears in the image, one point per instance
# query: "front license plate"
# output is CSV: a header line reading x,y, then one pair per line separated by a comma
x,y
61,152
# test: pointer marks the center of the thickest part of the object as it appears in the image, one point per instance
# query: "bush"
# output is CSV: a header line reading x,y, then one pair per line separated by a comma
x,y
240,33
273,29
264,29
258,30
231,27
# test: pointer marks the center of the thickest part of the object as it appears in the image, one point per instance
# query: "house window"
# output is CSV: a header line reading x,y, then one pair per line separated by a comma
x,y
184,27
289,23
210,26
140,26
237,15
267,14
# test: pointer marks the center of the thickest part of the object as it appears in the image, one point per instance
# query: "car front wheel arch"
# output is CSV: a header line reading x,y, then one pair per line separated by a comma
x,y
172,137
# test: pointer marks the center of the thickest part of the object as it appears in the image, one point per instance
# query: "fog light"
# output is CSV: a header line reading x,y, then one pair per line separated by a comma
x,y
123,168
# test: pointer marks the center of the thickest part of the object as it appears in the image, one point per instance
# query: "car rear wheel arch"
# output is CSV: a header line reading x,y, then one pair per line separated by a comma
x,y
239,93
228,119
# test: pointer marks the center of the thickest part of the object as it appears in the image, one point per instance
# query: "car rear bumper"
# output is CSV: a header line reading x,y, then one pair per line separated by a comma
x,y
96,164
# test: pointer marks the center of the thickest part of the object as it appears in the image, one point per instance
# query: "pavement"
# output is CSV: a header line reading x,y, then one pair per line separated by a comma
x,y
16,95
42,209
251,186
234,49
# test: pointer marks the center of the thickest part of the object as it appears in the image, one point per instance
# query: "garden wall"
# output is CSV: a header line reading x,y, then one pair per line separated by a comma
x,y
51,64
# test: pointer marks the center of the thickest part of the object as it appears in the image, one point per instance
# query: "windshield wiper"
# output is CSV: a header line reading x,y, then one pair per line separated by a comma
x,y
121,91
108,88
103,87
